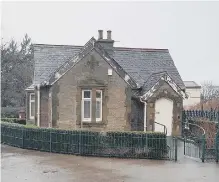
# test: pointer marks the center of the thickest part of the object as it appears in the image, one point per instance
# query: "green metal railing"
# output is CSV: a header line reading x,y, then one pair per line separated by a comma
x,y
80,142
198,145
211,149
194,142
217,146
211,115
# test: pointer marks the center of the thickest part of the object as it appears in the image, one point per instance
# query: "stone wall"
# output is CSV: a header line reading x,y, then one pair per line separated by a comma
x,y
137,121
44,107
91,73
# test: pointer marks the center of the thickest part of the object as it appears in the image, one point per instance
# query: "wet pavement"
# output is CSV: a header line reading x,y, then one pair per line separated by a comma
x,y
27,165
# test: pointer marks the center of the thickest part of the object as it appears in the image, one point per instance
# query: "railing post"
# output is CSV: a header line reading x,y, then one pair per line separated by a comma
x,y
50,140
176,148
217,146
203,148
185,145
80,142
22,137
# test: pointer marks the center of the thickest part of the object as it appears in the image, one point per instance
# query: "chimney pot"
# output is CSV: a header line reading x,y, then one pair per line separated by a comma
x,y
109,35
100,34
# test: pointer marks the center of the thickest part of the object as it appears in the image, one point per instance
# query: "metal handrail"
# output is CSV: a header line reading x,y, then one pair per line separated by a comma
x,y
165,128
188,123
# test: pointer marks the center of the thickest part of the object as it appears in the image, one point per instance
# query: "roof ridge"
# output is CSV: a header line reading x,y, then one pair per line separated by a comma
x,y
56,45
140,49
117,48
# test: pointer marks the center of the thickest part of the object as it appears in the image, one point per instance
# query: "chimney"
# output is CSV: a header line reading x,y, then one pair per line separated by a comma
x,y
100,34
109,35
106,43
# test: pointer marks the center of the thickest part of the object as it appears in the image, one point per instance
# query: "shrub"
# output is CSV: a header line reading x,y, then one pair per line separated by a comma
x,y
9,120
10,112
14,120
20,121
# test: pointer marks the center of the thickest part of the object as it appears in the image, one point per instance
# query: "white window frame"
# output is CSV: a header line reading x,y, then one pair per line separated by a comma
x,y
82,104
30,102
101,108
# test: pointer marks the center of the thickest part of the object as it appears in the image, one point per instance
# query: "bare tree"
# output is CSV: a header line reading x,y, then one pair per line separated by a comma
x,y
209,91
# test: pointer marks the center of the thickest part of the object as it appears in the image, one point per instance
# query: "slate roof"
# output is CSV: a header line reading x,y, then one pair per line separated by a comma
x,y
152,80
48,58
191,84
140,64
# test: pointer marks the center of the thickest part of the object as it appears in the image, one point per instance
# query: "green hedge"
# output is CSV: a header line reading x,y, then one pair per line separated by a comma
x,y
14,120
10,112
110,144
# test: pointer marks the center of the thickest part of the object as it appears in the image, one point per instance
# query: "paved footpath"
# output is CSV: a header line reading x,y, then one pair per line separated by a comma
x,y
26,165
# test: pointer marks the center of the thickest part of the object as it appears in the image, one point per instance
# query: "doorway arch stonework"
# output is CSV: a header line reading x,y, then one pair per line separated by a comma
x,y
165,91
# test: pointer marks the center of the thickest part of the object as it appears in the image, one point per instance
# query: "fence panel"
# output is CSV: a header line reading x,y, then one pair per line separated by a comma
x,y
217,146
60,141
193,147
194,123
211,115
12,135
108,144
37,139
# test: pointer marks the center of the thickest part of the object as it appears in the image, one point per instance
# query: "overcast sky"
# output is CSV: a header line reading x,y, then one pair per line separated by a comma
x,y
190,30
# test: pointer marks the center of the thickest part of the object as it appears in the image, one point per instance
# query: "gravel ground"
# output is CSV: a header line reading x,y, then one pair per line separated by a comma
x,y
26,165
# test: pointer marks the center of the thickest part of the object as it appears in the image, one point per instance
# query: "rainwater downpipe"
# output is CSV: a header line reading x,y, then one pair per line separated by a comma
x,y
145,113
38,105
50,98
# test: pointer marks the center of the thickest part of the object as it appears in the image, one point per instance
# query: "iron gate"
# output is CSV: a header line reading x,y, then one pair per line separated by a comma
x,y
197,143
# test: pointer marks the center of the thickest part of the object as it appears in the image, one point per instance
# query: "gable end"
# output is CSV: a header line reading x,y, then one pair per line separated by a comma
x,y
170,82
118,69
69,64
89,46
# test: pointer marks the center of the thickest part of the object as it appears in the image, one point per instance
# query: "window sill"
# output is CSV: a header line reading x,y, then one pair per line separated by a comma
x,y
93,123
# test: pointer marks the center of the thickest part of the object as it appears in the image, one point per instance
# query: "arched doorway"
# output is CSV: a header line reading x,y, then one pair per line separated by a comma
x,y
163,115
